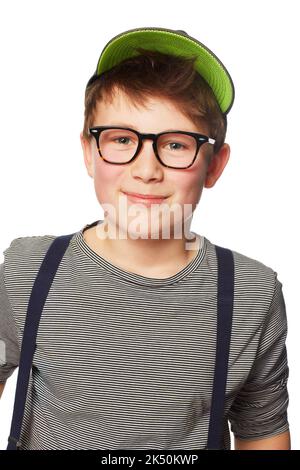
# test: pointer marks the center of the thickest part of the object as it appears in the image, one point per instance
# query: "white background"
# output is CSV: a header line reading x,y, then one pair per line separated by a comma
x,y
48,52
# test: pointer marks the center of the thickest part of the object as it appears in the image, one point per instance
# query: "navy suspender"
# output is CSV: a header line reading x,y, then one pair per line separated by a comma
x,y
225,309
36,303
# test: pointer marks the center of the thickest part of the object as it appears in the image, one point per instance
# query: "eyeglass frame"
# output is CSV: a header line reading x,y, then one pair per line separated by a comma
x,y
199,138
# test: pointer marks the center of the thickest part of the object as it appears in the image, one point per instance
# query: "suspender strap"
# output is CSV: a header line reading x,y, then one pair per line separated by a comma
x,y
224,320
36,303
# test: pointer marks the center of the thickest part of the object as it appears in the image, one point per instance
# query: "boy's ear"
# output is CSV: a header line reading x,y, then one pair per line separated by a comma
x,y
216,166
88,155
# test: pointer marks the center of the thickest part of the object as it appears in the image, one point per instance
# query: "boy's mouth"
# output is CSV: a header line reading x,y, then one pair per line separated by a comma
x,y
146,199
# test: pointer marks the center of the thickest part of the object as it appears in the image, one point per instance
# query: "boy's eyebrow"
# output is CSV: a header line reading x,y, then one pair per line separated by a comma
x,y
121,124
124,124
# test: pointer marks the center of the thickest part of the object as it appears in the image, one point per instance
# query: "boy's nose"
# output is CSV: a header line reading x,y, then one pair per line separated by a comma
x,y
146,165
146,153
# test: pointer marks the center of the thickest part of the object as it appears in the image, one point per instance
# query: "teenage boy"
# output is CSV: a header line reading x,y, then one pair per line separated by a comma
x,y
125,353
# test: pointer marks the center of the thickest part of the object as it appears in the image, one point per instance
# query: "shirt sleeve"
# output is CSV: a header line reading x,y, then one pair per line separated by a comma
x,y
260,408
9,346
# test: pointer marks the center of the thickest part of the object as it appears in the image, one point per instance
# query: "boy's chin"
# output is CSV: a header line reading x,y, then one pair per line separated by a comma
x,y
147,231
144,226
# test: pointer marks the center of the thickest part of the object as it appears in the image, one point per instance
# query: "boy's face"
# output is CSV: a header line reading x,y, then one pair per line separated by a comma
x,y
146,175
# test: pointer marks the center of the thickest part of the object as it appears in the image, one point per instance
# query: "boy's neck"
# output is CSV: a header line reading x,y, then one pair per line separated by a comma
x,y
148,257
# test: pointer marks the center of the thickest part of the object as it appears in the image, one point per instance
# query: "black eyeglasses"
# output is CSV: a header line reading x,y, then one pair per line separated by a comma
x,y
121,145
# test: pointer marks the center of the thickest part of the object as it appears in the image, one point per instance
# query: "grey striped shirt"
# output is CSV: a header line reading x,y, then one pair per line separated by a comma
x,y
125,361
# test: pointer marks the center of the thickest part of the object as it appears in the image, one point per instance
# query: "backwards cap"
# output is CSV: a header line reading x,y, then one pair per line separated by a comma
x,y
174,42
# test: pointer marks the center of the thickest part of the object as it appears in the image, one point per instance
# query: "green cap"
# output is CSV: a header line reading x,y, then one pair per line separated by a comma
x,y
175,42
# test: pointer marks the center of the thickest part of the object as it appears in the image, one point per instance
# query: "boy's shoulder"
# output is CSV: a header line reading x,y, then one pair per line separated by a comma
x,y
23,256
28,246
255,280
22,260
245,264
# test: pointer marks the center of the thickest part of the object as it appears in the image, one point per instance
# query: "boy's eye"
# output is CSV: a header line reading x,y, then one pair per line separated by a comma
x,y
177,143
121,139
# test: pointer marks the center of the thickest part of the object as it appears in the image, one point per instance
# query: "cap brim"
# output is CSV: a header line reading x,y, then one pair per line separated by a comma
x,y
207,64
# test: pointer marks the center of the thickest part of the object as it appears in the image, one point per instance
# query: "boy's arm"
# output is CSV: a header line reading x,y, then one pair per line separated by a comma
x,y
280,442
2,388
258,414
9,347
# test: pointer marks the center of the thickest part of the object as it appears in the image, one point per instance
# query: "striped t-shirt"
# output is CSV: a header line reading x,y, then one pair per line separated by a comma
x,y
125,361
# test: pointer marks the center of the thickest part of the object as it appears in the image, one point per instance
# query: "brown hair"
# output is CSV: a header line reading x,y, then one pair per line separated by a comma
x,y
152,73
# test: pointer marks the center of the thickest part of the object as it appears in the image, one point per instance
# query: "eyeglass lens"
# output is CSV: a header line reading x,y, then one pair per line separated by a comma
x,y
119,146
